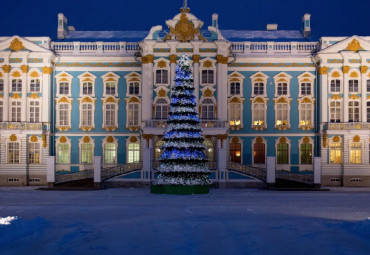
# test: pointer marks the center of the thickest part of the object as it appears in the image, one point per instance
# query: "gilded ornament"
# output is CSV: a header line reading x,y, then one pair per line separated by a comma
x,y
354,45
259,140
34,139
282,100
87,75
282,140
133,139
147,137
34,96
207,64
306,100
306,139
259,100
86,139
363,69
306,80
173,59
24,68
43,137
59,75
354,97
222,138
323,70
235,100
356,138
335,97
134,128
110,79
196,58
184,30
222,60
134,100
325,140
64,100
234,139
346,69
162,93
16,45
34,74
282,80
259,80
208,93
87,79
353,75
16,96
13,138
16,74
336,139
86,100
259,75
147,59
162,64
110,139
335,74
63,139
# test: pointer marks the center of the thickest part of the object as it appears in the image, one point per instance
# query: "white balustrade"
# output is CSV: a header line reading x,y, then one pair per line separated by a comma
x,y
111,47
92,47
278,47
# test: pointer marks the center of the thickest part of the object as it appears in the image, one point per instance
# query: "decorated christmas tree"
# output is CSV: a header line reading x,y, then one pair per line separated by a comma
x,y
183,168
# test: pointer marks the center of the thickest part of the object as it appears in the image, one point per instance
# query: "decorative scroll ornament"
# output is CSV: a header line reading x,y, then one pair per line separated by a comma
x,y
184,30
133,139
222,138
162,64
346,69
325,140
306,140
336,139
110,139
62,139
173,59
34,138
323,70
86,139
356,139
196,58
47,70
147,137
363,69
259,140
354,45
16,45
282,140
162,93
13,138
24,68
43,137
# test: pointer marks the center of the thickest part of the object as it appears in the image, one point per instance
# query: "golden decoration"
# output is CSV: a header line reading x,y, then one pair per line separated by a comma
x,y
134,100
184,30
87,128
354,45
282,75
111,79
325,140
235,79
59,75
173,59
335,97
335,74
356,139
87,75
147,59
86,139
34,74
346,69
162,64
43,137
259,140
87,79
235,100
336,139
63,79
63,139
134,128
306,80
110,100
196,58
259,75
63,129
323,70
282,100
64,100
306,139
34,139
208,93
16,74
363,69
207,64
24,68
353,75
368,97
110,128
34,96
1,96
147,137
113,75
282,80
133,139
259,100
222,60
306,100
259,79
354,97
110,139
87,100
16,96
49,70
162,93
13,138
6,68
306,75
16,45
282,140
234,139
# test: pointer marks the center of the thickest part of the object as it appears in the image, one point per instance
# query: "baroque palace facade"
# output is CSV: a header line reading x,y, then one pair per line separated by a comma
x,y
273,93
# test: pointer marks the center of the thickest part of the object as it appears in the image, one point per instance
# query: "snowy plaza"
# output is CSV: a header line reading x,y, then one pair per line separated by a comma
x,y
227,221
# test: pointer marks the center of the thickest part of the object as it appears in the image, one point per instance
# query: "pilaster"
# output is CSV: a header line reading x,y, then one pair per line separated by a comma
x,y
323,71
147,156
222,157
46,93
221,87
147,92
196,59
173,62
345,93
363,70
6,69
24,69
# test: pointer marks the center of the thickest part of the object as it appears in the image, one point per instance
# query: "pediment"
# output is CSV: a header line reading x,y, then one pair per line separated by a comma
x,y
19,44
350,44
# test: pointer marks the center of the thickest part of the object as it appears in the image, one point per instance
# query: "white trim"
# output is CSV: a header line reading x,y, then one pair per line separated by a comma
x,y
282,77
132,78
87,77
306,167
80,142
283,166
301,79
253,102
112,77
202,68
259,77
166,68
64,77
128,142
264,141
104,142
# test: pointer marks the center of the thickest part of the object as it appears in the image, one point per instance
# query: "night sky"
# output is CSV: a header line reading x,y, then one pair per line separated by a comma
x,y
39,17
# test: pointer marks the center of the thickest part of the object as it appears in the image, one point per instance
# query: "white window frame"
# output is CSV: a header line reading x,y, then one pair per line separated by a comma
x,y
254,141
59,102
285,167
87,101
64,77
19,142
158,65
282,78
133,77
214,108
29,150
331,142
306,101
353,107
306,167
2,113
278,101
87,77
19,111
255,101
57,143
29,109
92,143
259,77
236,101
162,104
306,77
110,77
203,68
114,101
340,101
335,74
115,142
350,142
128,143
358,85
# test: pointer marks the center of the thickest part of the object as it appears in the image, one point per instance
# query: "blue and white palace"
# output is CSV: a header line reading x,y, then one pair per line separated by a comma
x,y
273,99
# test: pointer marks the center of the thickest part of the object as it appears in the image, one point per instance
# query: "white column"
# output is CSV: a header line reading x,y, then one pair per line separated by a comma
x,y
50,166
147,87
7,85
224,90
219,87
324,93
270,175
24,93
221,158
363,95
196,59
147,157
97,171
46,94
345,95
317,172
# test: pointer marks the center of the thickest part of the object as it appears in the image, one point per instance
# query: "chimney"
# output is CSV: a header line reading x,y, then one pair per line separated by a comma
x,y
272,27
62,26
306,20
215,20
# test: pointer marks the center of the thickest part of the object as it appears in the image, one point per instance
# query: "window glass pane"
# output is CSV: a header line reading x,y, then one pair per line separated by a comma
x,y
282,153
34,153
110,153
259,153
63,153
133,153
87,153
13,153
355,153
306,154
335,153
235,152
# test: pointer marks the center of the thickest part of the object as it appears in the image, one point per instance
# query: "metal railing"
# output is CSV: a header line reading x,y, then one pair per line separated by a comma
x,y
259,173
348,126
285,175
21,125
75,176
204,124
111,172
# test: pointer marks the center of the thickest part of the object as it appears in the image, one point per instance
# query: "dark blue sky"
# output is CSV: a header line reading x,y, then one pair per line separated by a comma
x,y
39,17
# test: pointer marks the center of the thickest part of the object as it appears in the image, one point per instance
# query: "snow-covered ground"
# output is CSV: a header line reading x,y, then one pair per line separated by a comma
x,y
227,221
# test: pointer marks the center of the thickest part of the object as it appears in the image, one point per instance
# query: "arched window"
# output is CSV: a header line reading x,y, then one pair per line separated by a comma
x,y
63,153
161,109
335,111
259,153
335,153
34,152
87,153
355,153
353,111
133,152
282,153
306,153
209,150
258,114
208,109
235,114
235,152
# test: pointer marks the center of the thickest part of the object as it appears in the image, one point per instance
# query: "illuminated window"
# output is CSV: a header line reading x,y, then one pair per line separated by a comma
x,y
34,152
235,114
259,153
235,152
87,153
282,153
133,152
282,114
355,153
258,114
335,111
306,153
110,153
63,153
13,153
209,150
335,153
158,150
306,114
